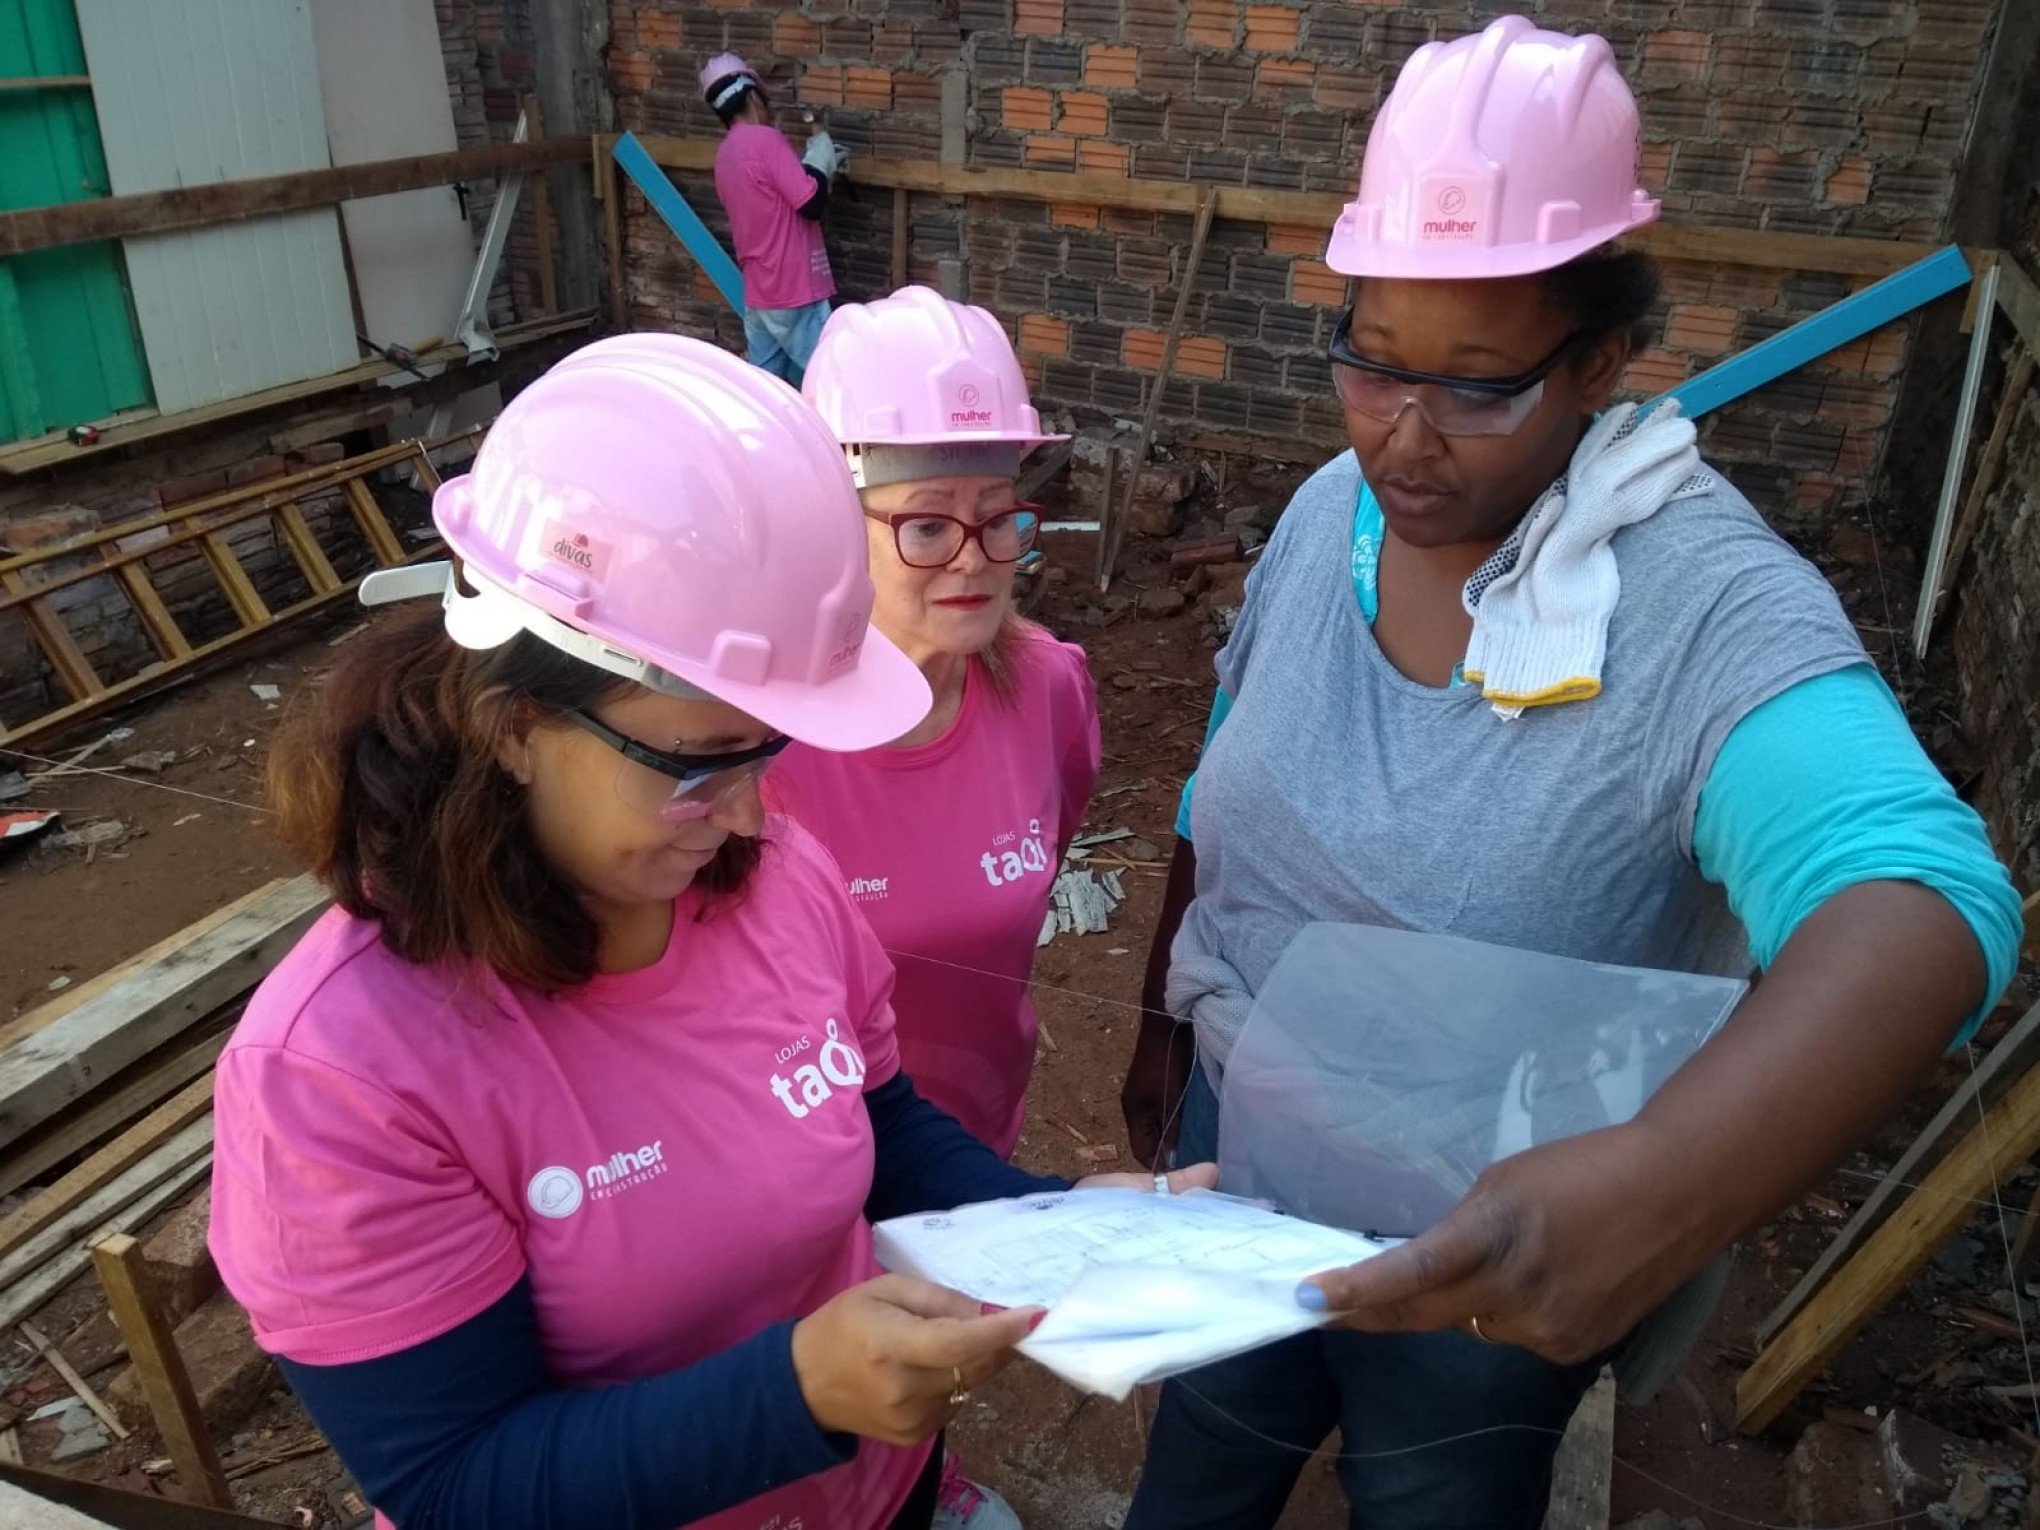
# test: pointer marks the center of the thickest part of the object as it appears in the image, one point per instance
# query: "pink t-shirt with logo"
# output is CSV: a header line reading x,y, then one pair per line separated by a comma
x,y
763,186
677,1157
950,848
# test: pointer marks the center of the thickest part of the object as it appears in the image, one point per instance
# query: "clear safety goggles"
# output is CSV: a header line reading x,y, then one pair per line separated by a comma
x,y
678,788
1452,406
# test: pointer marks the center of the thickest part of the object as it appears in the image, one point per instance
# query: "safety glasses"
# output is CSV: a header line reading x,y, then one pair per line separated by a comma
x,y
924,540
1452,406
678,788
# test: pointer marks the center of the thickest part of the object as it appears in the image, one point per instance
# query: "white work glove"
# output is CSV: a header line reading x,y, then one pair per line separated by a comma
x,y
823,155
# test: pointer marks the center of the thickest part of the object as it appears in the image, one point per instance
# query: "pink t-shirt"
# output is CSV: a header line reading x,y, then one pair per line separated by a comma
x,y
677,1157
950,848
763,185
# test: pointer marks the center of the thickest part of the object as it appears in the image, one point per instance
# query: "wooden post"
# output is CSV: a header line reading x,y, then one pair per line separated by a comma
x,y
899,239
541,216
165,1382
1112,529
2005,1135
609,191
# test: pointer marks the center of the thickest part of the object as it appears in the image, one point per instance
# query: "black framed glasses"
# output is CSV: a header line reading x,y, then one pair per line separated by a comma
x,y
927,540
1452,406
677,788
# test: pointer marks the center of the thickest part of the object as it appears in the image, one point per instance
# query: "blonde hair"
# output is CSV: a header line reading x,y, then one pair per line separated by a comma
x,y
1001,659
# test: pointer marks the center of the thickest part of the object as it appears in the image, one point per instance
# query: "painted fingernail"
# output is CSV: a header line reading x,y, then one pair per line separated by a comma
x,y
1037,1320
1311,1297
989,1309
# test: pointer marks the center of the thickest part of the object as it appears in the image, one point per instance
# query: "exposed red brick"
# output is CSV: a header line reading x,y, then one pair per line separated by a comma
x,y
1082,114
1025,109
1271,29
631,71
1703,331
1100,157
1050,151
1285,79
1142,348
1652,372
1041,335
1201,356
1653,165
657,29
1672,55
1110,68
1073,215
1851,181
794,36
1341,87
821,85
866,87
1212,23
1312,281
1295,239
1043,18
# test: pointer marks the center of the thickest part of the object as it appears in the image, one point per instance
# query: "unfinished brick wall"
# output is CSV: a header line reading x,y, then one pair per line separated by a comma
x,y
1844,116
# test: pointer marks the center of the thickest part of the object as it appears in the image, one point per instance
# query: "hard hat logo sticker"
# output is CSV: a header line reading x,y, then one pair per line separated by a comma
x,y
575,549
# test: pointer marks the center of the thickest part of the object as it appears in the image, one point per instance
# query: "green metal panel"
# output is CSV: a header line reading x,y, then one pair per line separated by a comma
x,y
69,349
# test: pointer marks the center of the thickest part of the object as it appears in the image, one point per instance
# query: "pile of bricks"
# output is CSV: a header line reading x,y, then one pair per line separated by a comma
x,y
1836,116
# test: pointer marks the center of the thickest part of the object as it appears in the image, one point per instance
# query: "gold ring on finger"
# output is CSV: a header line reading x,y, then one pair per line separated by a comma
x,y
957,1391
1474,1324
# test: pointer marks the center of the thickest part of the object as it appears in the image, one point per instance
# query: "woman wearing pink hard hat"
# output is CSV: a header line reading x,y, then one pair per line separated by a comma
x,y
545,1160
775,204
1521,668
949,836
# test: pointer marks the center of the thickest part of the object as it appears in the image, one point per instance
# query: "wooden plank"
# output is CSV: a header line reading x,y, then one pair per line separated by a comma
x,y
1112,532
20,1272
1584,1470
106,1165
152,1344
609,191
426,472
56,450
2017,1050
154,615
2019,300
1971,521
46,1014
134,1090
368,515
541,214
239,589
160,212
73,669
19,1300
46,1071
899,239
311,557
54,1357
2007,1134
1312,209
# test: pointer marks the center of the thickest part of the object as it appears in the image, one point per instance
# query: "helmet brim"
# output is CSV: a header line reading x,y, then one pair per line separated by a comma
x,y
883,696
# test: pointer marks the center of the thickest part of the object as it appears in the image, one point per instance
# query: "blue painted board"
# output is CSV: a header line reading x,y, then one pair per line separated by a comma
x,y
682,219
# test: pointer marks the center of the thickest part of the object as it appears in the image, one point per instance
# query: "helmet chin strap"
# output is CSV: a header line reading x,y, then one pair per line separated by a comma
x,y
489,617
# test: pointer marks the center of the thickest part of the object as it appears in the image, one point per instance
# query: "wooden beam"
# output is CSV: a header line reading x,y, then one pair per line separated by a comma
x,y
2006,1134
899,239
1971,520
2019,300
1318,209
541,213
106,1165
56,450
133,1090
154,615
58,646
160,212
249,606
2017,1049
68,1373
166,1384
304,547
375,527
609,191
23,1297
1583,1471
62,1062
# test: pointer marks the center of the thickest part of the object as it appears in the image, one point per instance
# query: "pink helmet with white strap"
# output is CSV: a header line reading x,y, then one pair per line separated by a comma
x,y
722,75
667,512
915,369
1496,155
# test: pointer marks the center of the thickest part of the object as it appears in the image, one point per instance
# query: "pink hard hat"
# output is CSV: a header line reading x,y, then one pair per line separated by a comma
x,y
672,514
1496,155
727,70
915,369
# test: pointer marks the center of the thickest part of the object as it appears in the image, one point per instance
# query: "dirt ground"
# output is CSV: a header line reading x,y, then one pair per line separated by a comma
x,y
196,838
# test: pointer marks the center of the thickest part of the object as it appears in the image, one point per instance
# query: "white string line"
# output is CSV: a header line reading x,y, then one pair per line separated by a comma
x,y
2005,1237
1996,1204
114,775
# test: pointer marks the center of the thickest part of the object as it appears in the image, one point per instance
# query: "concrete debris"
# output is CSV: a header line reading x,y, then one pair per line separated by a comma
x,y
13,786
1081,903
151,761
1167,601
105,832
267,692
59,983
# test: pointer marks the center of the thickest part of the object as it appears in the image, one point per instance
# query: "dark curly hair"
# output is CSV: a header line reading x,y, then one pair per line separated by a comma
x,y
1606,291
385,780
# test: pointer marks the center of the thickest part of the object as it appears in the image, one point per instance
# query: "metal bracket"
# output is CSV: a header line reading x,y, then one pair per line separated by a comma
x,y
472,329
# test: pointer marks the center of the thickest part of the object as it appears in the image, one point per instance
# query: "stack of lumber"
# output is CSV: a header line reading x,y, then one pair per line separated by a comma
x,y
106,1092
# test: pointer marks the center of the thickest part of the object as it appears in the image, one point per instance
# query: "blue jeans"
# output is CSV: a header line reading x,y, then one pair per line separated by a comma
x,y
1439,1431
782,339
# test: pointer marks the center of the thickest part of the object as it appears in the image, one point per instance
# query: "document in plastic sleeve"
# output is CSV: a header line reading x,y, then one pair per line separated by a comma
x,y
1137,1286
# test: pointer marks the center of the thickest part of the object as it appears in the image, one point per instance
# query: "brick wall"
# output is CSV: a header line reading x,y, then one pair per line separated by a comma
x,y
1844,116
